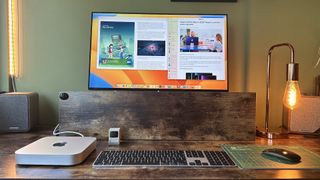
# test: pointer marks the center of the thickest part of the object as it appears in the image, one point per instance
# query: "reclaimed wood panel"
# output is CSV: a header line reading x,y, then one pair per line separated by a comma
x,y
161,115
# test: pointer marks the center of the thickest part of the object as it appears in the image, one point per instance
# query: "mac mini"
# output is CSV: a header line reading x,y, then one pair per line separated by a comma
x,y
56,150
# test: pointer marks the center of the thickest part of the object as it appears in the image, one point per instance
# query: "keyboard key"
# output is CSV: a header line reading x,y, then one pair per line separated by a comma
x,y
198,162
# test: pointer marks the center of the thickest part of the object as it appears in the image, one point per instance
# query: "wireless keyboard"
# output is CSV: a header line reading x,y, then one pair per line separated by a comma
x,y
162,158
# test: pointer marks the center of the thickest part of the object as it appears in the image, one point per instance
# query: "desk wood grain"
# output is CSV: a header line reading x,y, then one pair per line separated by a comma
x,y
11,142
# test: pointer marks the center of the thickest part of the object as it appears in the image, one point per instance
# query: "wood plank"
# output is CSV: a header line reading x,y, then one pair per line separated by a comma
x,y
9,170
164,115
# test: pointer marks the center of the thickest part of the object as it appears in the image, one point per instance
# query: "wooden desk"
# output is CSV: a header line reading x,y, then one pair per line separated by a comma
x,y
11,142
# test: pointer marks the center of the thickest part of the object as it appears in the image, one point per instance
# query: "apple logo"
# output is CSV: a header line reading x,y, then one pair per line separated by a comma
x,y
59,144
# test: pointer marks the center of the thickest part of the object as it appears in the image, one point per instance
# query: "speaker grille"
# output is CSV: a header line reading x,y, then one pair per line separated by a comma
x,y
18,111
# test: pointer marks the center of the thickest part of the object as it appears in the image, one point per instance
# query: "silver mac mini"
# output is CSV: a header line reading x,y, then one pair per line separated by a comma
x,y
56,150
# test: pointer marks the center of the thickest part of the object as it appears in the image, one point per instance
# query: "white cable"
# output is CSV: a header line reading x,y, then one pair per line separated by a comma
x,y
315,66
65,132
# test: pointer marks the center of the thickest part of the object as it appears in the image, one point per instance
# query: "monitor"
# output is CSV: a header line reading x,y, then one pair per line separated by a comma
x,y
158,51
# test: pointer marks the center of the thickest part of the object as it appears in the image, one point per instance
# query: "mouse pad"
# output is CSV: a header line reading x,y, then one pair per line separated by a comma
x,y
251,157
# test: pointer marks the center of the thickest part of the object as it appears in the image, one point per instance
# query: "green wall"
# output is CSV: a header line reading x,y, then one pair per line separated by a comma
x,y
56,36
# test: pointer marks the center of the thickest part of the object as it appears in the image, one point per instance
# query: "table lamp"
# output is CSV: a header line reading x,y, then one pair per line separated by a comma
x,y
291,95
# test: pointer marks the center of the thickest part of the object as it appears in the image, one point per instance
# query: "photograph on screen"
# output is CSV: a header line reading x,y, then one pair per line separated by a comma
x,y
201,76
151,48
200,40
116,45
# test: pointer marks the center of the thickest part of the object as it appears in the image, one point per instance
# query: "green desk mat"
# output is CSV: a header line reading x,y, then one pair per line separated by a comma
x,y
250,157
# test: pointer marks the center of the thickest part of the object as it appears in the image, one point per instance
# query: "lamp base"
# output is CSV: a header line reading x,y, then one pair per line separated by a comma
x,y
272,135
12,83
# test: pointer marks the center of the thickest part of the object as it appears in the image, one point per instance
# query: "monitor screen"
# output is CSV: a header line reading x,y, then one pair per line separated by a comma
x,y
158,51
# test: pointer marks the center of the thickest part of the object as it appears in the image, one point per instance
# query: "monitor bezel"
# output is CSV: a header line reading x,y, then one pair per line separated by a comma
x,y
155,89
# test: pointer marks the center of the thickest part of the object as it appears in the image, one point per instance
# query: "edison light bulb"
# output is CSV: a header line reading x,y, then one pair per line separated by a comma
x,y
291,95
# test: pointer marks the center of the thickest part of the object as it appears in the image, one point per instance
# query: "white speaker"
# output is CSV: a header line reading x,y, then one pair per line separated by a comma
x,y
306,117
18,111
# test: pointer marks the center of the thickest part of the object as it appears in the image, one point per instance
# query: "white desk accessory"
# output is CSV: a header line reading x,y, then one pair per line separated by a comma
x,y
56,150
114,136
